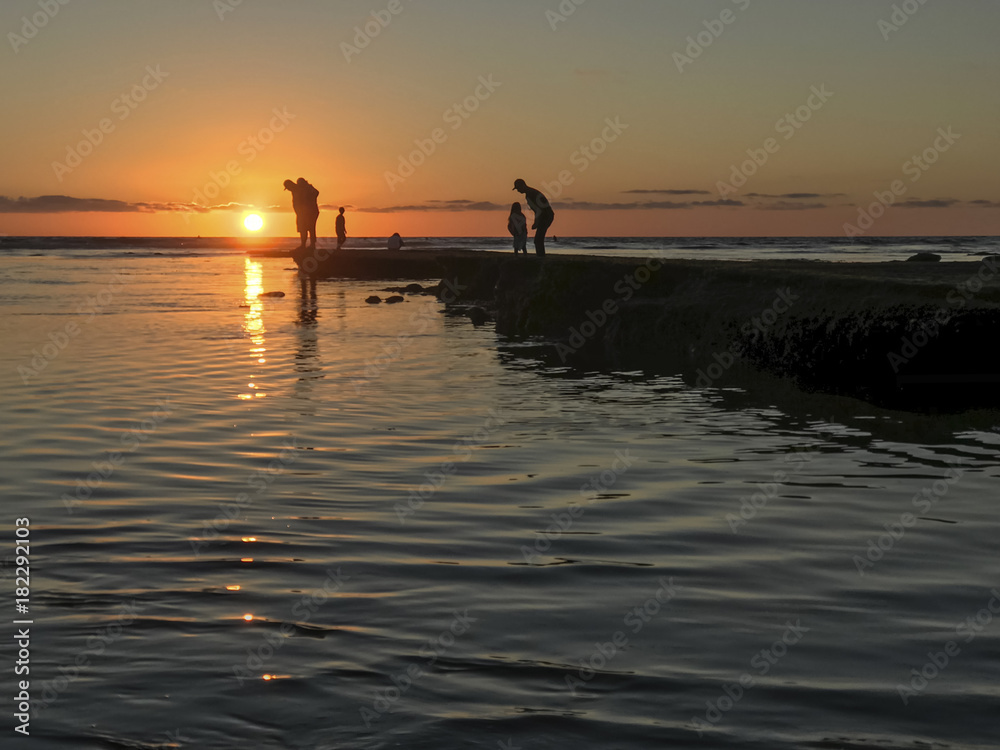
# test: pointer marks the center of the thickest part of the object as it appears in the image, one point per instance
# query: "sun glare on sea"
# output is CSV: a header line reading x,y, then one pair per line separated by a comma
x,y
253,222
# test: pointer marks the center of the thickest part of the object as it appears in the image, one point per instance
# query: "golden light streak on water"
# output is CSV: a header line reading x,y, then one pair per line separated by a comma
x,y
253,320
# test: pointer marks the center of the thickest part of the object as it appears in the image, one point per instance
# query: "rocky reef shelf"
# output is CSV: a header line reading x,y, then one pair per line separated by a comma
x,y
904,335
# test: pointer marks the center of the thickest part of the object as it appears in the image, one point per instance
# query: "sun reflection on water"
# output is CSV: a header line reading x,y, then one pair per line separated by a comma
x,y
253,322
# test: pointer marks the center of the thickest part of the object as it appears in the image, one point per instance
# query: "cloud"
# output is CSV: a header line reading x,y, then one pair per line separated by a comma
x,y
61,204
440,206
647,206
940,203
454,206
796,196
948,203
54,204
461,203
57,204
789,206
666,192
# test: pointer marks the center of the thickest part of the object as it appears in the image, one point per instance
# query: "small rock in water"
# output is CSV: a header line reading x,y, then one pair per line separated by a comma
x,y
477,315
408,289
924,258
271,294
393,300
374,300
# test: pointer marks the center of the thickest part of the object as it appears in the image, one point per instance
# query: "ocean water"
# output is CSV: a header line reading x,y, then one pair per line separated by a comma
x,y
311,523
861,249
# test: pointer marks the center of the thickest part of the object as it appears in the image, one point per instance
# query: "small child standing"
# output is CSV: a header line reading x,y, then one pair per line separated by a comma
x,y
517,225
341,229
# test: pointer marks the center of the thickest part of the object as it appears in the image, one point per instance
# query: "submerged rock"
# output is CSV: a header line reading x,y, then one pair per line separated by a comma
x,y
924,258
273,295
374,300
477,315
408,289
395,299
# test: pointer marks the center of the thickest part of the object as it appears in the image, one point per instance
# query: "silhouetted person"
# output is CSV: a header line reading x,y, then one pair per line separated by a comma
x,y
396,242
341,229
517,225
310,201
544,215
306,205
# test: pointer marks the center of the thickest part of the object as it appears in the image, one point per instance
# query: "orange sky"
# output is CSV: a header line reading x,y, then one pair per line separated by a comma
x,y
178,119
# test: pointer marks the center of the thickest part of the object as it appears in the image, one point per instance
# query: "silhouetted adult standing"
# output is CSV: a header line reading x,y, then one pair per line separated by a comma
x,y
544,215
306,204
310,200
341,229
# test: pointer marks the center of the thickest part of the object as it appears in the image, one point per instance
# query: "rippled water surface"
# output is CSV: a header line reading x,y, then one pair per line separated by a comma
x,y
315,523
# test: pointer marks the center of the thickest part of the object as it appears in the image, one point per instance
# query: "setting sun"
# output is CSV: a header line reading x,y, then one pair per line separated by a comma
x,y
253,222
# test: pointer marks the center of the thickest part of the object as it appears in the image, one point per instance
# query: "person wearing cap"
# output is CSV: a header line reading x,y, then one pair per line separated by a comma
x,y
544,215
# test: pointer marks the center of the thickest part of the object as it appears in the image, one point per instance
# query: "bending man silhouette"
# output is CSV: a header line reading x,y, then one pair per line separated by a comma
x,y
306,205
544,215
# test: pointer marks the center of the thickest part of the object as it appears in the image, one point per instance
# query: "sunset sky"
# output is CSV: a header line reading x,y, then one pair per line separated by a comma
x,y
207,107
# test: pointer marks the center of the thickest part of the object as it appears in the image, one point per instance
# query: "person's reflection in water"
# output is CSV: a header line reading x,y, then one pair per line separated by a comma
x,y
308,305
307,362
